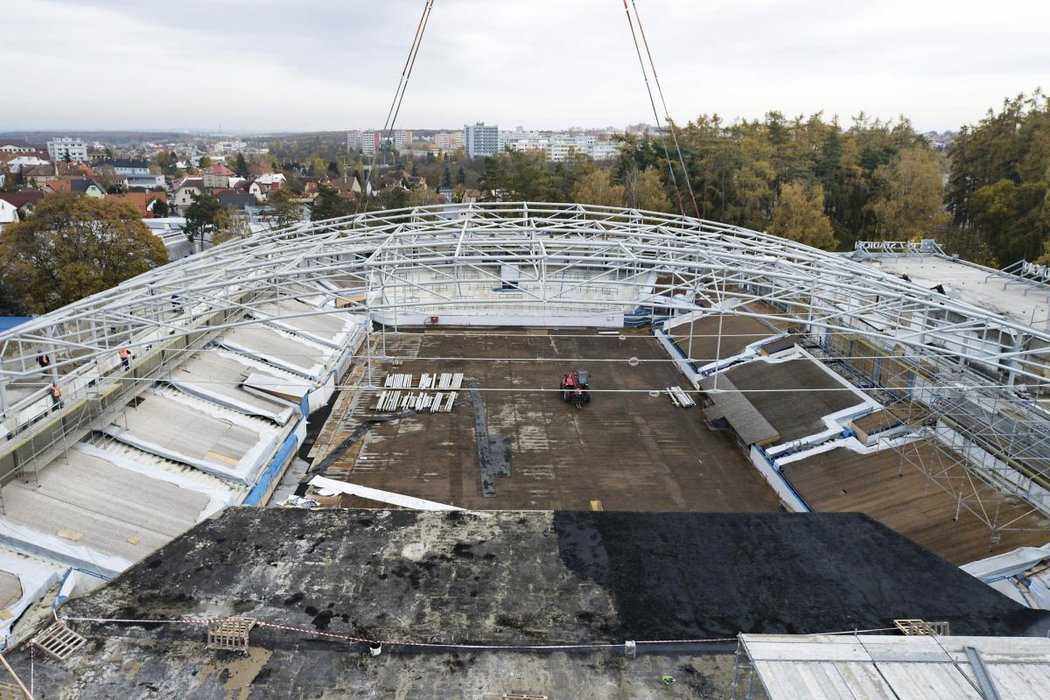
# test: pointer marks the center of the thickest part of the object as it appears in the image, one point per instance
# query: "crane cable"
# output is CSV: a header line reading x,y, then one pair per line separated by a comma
x,y
399,95
652,101
667,112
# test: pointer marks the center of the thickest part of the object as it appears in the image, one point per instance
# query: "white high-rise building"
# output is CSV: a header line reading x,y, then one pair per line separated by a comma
x,y
76,149
480,140
365,141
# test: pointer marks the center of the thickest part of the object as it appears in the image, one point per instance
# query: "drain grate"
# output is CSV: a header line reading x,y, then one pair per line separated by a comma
x,y
58,641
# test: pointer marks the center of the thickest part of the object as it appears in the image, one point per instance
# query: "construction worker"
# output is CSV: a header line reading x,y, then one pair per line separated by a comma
x,y
56,397
43,360
667,680
125,358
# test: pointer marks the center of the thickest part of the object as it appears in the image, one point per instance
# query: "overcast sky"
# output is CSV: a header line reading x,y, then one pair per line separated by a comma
x,y
334,64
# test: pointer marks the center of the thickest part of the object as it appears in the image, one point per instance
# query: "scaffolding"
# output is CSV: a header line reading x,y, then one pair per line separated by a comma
x,y
959,366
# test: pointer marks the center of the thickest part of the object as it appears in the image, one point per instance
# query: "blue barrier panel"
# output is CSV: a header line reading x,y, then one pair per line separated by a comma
x,y
272,471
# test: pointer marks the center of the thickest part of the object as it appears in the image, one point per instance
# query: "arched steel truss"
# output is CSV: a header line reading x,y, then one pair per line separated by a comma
x,y
362,262
568,260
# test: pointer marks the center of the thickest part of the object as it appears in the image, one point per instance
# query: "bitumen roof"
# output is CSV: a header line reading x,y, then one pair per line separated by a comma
x,y
320,581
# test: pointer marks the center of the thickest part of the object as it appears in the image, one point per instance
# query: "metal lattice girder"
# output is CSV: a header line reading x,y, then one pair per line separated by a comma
x,y
372,263
711,261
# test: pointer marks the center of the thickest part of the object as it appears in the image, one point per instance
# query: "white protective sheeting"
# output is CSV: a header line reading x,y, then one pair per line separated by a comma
x,y
396,499
25,580
1022,574
324,325
268,384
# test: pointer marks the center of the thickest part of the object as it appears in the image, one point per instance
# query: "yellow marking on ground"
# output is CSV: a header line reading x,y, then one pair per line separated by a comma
x,y
596,505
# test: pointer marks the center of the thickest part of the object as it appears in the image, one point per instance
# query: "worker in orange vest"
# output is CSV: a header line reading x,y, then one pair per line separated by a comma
x,y
125,358
56,397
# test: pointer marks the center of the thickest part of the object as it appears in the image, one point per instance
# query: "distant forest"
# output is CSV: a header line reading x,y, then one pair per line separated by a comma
x,y
825,184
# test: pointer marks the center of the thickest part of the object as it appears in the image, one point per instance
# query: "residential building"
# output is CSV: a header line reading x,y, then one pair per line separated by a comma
x,y
133,174
16,165
184,192
448,140
137,174
39,175
228,147
367,142
15,146
8,214
86,187
561,147
67,148
480,140
24,201
265,184
217,176
606,150
143,202
400,138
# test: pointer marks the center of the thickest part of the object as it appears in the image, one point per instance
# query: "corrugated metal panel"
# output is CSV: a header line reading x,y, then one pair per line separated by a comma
x,y
928,680
865,681
861,667
1021,681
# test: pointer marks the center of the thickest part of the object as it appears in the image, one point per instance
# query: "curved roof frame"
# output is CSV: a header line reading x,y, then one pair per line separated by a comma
x,y
361,260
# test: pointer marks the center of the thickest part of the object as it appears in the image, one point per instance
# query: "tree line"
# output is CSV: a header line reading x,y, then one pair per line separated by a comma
x,y
823,183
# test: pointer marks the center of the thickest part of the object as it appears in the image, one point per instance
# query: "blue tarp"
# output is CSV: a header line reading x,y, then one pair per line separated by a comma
x,y
9,322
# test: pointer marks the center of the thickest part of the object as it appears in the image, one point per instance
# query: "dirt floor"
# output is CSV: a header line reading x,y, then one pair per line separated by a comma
x,y
626,450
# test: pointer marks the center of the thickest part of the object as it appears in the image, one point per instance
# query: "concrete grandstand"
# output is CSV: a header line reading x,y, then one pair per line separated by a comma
x,y
824,382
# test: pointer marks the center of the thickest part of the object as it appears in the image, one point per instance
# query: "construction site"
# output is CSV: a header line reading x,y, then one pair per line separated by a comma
x,y
529,450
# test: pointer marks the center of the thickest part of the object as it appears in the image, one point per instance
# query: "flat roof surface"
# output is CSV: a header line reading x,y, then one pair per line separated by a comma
x,y
890,489
719,336
625,450
793,395
457,576
1023,301
502,578
863,667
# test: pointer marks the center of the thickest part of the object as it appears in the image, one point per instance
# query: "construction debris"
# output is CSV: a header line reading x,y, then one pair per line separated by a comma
x,y
230,634
422,402
679,397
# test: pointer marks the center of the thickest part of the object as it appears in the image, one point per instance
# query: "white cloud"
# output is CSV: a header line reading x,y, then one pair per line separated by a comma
x,y
316,64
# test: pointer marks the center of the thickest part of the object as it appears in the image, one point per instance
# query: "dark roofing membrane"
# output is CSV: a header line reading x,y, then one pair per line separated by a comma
x,y
499,577
541,577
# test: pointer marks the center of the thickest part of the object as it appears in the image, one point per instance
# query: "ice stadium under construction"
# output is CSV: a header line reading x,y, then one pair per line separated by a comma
x,y
397,361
